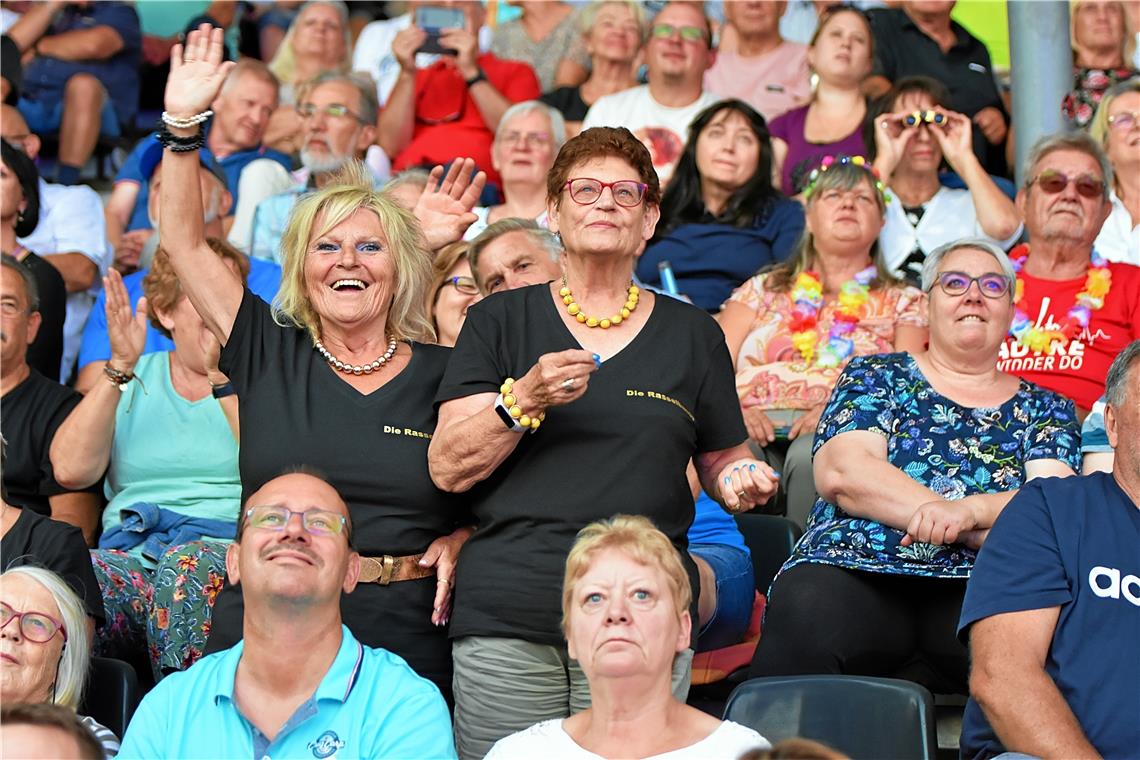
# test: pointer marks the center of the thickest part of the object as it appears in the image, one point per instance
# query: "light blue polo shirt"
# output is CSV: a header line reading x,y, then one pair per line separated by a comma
x,y
371,704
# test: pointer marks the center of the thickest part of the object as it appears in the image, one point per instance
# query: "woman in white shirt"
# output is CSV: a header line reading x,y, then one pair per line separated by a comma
x,y
908,134
1116,127
625,613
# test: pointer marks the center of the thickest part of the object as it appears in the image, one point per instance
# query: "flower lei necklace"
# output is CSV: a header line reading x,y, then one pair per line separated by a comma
x,y
1098,282
807,297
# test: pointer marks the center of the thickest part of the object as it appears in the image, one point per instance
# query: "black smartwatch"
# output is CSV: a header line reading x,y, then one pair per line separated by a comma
x,y
480,77
223,390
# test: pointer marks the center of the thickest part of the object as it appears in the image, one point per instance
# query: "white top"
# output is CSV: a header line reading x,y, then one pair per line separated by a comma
x,y
548,740
1119,239
71,221
373,54
483,221
949,216
663,130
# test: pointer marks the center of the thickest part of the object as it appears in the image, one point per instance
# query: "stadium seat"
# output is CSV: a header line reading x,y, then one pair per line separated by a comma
x,y
862,717
112,694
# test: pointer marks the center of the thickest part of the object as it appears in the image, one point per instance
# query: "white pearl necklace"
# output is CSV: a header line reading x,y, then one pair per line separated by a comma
x,y
356,369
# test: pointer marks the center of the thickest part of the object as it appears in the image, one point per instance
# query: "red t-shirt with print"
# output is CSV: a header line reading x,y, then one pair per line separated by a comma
x,y
1078,369
448,122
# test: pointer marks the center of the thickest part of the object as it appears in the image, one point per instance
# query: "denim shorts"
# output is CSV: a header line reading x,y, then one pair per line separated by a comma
x,y
45,116
735,592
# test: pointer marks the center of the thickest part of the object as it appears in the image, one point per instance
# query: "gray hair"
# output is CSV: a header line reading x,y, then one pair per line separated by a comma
x,y
1116,382
72,673
589,14
415,176
29,281
934,259
361,82
537,235
557,122
250,66
1076,141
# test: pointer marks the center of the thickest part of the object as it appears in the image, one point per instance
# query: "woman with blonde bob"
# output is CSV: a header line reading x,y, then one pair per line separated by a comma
x,y
337,375
625,614
45,644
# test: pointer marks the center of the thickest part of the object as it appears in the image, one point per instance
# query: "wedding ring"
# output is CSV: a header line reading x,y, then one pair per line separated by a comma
x,y
568,384
742,494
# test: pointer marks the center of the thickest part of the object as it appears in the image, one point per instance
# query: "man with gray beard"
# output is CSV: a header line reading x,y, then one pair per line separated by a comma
x,y
338,116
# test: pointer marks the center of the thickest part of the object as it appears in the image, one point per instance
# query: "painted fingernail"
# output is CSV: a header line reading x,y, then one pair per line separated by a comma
x,y
727,479
775,473
752,468
597,360
736,469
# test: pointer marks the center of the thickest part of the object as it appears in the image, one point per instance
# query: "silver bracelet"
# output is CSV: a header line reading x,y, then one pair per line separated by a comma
x,y
192,121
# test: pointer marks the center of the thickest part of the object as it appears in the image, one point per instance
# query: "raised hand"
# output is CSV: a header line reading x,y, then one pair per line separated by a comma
x,y
125,329
405,45
956,139
444,207
891,138
197,72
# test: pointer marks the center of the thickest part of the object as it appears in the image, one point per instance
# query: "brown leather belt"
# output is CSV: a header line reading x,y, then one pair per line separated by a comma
x,y
388,569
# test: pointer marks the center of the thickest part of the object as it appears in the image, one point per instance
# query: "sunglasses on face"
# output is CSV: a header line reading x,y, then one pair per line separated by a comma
x,y
1124,121
34,626
1054,182
316,522
688,33
990,285
626,192
333,111
924,117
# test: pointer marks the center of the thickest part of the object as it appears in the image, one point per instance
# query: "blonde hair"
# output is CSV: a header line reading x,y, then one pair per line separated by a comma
x,y
589,14
1128,44
635,536
284,63
1098,127
315,214
71,676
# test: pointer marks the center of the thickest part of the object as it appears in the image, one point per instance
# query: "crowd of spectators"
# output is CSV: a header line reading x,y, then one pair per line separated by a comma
x,y
398,394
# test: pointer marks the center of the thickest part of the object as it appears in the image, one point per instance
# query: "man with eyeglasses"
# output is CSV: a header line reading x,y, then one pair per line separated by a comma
x,y
678,54
233,139
1073,310
1052,610
299,684
338,117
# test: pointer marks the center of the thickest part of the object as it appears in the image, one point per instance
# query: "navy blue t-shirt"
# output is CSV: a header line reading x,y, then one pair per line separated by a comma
x,y
710,260
1074,543
44,78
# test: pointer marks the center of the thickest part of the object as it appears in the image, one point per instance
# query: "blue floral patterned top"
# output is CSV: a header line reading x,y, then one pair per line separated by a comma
x,y
953,450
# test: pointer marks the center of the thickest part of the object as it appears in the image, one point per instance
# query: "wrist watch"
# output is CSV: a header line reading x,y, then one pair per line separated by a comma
x,y
479,77
505,415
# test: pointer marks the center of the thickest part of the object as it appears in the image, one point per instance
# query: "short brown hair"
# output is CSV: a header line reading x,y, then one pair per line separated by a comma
x,y
635,536
53,716
601,142
161,285
445,260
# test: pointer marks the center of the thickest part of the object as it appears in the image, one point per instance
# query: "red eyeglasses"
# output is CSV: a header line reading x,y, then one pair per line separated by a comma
x,y
34,626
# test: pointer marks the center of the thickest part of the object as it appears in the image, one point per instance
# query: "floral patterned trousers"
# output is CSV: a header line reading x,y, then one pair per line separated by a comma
x,y
166,610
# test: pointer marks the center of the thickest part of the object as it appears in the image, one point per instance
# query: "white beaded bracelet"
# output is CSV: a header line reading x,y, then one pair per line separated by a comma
x,y
192,121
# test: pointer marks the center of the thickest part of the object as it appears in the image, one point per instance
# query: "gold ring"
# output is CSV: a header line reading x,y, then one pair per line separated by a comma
x,y
741,494
443,580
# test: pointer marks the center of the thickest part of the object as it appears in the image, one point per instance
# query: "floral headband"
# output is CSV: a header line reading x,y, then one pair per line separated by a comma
x,y
829,161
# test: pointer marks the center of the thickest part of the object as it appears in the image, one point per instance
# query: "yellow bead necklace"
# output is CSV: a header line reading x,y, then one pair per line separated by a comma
x,y
576,311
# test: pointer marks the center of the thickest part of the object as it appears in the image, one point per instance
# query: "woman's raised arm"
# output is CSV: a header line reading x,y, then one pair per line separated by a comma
x,y
196,76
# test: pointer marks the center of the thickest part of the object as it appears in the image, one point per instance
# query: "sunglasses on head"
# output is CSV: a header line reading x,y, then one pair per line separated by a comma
x,y
1053,182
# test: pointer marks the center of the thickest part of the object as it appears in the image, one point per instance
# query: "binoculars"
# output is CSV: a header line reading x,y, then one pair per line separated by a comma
x,y
924,117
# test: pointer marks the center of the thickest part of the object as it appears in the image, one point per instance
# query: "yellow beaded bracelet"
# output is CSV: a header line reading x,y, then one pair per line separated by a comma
x,y
510,403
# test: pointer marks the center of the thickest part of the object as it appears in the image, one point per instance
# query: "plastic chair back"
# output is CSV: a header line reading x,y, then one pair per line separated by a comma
x,y
112,694
770,539
865,718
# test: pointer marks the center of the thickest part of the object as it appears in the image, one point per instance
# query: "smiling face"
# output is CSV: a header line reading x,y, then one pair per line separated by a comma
x,y
845,220
675,60
293,565
242,111
1123,145
615,35
603,227
328,142
1066,217
350,274
450,308
190,334
319,34
970,321
515,260
728,151
623,620
27,668
922,153
18,326
523,151
841,53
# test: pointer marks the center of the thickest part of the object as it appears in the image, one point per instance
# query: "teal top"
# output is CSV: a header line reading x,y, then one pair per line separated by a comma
x,y
178,454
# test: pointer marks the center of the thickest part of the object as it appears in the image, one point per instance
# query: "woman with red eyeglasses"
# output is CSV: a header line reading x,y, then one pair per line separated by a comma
x,y
565,403
45,645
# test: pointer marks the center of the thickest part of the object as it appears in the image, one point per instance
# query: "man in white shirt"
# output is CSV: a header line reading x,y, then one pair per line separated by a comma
x,y
71,236
678,53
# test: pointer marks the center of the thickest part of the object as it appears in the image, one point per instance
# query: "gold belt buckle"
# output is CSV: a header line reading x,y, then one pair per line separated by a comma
x,y
378,569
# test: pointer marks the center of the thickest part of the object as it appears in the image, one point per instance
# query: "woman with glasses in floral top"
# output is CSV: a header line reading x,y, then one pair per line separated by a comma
x,y
565,403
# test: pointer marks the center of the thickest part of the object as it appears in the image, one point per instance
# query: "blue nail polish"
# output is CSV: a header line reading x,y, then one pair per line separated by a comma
x,y
775,474
752,468
597,360
727,479
736,469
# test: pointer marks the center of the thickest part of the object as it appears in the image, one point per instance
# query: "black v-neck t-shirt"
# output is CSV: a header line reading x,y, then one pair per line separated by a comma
x,y
621,448
372,448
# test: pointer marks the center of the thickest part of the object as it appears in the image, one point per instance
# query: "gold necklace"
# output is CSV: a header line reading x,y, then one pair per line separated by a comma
x,y
576,311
